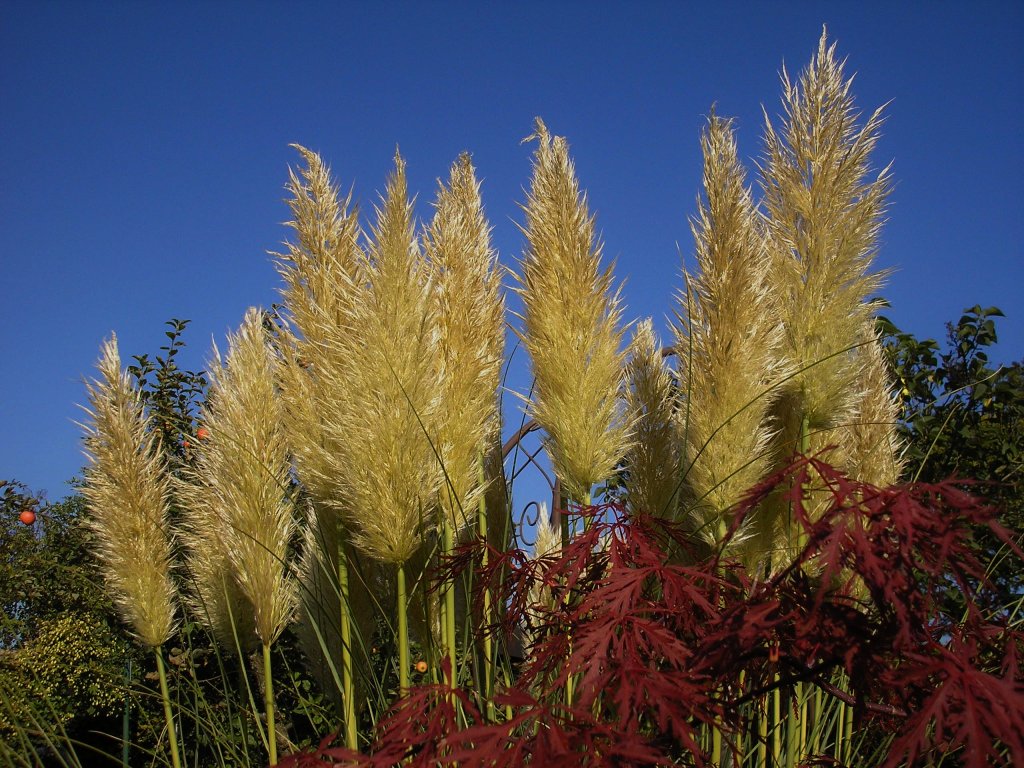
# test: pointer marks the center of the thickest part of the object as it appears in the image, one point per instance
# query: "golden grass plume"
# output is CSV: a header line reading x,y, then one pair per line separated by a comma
x,y
324,276
824,211
390,469
470,314
239,489
655,460
729,335
571,324
873,448
126,488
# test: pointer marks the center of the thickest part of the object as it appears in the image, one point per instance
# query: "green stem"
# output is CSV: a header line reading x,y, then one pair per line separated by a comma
x,y
848,734
777,724
448,590
793,727
762,734
268,702
488,650
819,722
403,633
838,746
347,683
175,759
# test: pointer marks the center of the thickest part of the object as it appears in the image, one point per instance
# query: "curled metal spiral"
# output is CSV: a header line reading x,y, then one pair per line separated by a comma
x,y
523,457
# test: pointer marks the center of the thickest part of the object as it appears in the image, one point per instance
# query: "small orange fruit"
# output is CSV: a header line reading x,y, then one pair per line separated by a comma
x,y
27,516
421,666
202,433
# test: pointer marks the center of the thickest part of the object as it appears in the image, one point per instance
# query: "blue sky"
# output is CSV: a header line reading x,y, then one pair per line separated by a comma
x,y
144,147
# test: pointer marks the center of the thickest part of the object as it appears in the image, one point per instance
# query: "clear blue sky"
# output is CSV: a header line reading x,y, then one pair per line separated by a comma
x,y
144,146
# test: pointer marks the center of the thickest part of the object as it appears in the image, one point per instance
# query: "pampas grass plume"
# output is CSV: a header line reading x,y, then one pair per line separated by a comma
x,y
731,331
824,213
873,448
655,460
324,276
390,397
571,324
239,490
471,328
126,489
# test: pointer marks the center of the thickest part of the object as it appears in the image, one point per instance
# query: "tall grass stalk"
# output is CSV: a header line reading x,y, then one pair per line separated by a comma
x,y
172,735
486,617
347,672
402,607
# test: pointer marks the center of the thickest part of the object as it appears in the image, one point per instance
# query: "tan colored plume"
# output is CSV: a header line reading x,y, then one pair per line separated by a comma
x,y
824,210
873,448
389,394
728,341
571,324
324,273
471,330
655,461
239,489
126,489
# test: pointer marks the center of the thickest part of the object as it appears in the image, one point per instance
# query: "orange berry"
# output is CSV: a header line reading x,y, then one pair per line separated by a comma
x,y
27,516
202,433
421,666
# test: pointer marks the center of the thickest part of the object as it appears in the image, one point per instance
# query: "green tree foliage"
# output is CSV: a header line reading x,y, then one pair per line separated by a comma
x,y
171,395
45,571
963,416
61,645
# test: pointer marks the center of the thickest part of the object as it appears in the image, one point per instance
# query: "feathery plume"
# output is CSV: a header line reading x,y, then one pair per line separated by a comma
x,y
571,324
731,326
824,216
127,491
216,598
549,537
872,445
324,275
540,597
471,329
239,489
391,472
655,461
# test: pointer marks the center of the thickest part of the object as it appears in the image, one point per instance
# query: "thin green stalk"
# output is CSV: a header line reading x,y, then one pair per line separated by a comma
x,y
777,724
818,722
488,651
508,684
126,721
448,590
792,729
840,730
348,686
172,736
403,633
762,734
848,734
268,701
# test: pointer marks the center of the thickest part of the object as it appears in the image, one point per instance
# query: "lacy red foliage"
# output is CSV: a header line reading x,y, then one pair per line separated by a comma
x,y
657,649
